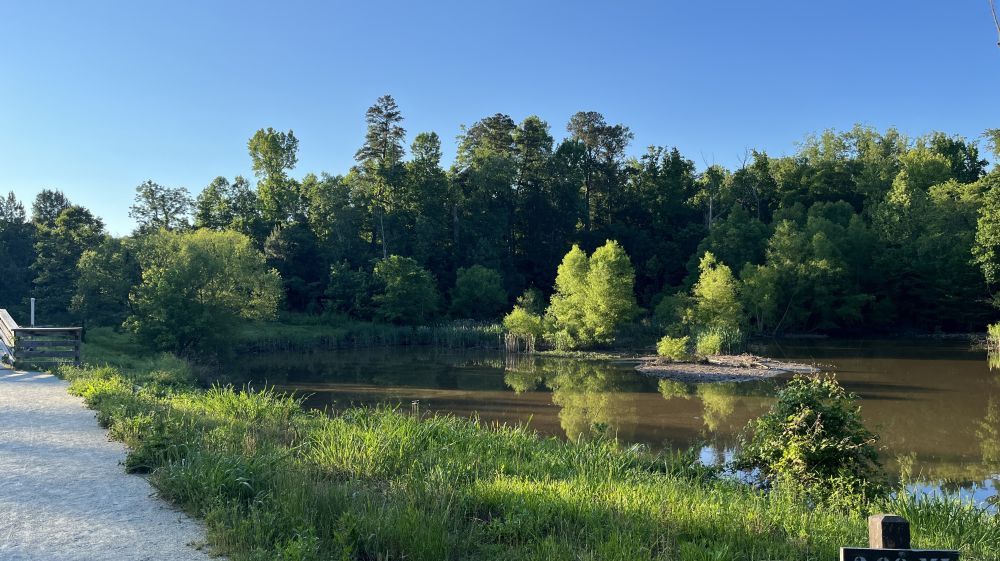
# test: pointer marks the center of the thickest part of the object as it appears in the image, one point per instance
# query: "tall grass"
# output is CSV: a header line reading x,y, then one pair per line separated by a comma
x,y
273,481
301,333
993,336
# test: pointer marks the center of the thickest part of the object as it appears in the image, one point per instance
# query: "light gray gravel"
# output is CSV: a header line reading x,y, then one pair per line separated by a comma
x,y
63,494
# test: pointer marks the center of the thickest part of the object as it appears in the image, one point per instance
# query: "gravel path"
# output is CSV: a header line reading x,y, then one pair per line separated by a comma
x,y
63,494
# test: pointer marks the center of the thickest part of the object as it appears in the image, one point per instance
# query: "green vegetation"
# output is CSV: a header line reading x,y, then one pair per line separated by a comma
x,y
858,230
813,439
197,286
674,348
405,291
708,343
715,306
594,297
993,336
275,482
478,294
524,329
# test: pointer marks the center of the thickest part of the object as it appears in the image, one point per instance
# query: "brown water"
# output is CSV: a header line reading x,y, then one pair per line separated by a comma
x,y
935,404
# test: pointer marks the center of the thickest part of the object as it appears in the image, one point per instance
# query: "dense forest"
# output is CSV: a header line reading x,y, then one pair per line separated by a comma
x,y
858,231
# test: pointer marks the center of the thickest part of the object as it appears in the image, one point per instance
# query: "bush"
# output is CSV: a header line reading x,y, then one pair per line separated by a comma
x,y
813,440
478,294
708,343
993,335
197,286
524,327
674,348
406,294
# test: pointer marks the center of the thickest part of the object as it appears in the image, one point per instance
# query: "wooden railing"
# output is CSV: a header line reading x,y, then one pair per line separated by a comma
x,y
38,345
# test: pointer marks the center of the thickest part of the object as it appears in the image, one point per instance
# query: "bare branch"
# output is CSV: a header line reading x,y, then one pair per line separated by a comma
x,y
996,20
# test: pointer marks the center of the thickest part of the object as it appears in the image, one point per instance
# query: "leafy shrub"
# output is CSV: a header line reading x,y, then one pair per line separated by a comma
x,y
674,348
993,335
478,294
406,291
522,327
813,440
719,340
708,343
197,286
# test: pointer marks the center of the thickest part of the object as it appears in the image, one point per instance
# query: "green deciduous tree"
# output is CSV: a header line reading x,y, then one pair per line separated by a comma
x,y
478,294
293,250
197,286
349,291
610,301
273,154
716,304
107,274
566,307
157,207
47,206
593,297
405,292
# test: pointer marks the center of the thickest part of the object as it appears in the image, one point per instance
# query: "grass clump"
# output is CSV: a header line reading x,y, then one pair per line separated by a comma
x,y
273,481
297,332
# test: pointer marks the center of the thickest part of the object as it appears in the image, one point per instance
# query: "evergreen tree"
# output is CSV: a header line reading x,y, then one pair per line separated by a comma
x,y
58,248
380,162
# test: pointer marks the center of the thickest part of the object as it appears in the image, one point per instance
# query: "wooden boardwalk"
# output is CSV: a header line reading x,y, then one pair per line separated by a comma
x,y
41,346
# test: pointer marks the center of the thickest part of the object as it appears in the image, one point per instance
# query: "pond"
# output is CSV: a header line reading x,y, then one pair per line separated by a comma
x,y
936,404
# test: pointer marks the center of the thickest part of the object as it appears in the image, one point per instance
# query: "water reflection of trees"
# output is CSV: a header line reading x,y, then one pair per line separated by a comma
x,y
988,433
596,396
993,359
592,396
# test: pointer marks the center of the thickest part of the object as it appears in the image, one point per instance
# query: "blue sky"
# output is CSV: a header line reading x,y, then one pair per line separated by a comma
x,y
96,97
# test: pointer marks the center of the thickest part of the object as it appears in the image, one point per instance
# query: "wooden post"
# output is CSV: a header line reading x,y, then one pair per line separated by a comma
x,y
76,347
888,531
889,539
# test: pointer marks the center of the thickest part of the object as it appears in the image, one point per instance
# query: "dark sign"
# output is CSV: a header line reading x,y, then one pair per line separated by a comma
x,y
865,554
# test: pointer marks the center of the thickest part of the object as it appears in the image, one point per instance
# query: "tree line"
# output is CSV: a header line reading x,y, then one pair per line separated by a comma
x,y
856,231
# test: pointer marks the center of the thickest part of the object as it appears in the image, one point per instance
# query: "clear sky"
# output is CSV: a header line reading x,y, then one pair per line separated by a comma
x,y
97,96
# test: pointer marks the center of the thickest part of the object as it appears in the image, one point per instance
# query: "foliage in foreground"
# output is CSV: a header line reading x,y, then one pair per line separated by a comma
x,y
813,438
275,482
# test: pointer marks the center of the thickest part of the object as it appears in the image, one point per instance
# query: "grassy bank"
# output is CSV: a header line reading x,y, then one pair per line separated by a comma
x,y
297,332
275,482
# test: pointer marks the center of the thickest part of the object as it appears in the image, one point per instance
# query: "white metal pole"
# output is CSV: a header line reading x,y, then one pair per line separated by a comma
x,y
32,312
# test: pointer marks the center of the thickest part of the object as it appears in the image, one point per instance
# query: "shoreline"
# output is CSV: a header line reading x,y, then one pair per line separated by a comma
x,y
721,368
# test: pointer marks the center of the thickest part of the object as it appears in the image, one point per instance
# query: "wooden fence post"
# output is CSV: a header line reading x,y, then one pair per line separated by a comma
x,y
888,531
889,540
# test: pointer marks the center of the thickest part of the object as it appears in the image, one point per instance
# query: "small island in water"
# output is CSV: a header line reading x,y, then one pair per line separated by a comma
x,y
721,368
